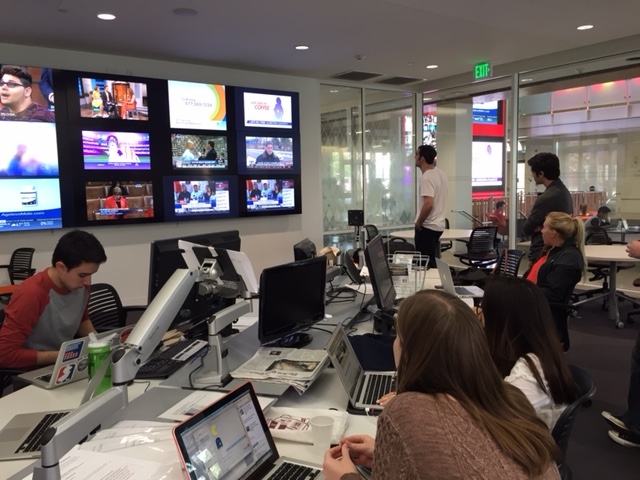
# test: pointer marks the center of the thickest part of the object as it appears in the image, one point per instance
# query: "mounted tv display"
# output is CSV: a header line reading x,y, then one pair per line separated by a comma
x,y
115,200
28,149
488,112
268,153
200,197
199,151
115,99
115,150
267,110
199,106
487,163
30,204
28,95
264,194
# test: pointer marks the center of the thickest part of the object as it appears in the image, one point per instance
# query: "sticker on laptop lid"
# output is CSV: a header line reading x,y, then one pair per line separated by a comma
x,y
65,374
72,351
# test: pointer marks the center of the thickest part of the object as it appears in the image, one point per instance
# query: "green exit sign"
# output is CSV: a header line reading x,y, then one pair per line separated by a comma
x,y
482,70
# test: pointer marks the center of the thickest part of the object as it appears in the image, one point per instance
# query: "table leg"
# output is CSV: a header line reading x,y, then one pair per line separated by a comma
x,y
614,313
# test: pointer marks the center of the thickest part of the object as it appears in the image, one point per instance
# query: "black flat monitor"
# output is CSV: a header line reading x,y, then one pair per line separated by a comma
x,y
304,249
380,274
291,299
166,258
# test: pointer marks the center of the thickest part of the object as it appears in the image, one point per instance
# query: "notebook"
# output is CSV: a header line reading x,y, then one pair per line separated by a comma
x,y
447,283
72,362
363,387
230,440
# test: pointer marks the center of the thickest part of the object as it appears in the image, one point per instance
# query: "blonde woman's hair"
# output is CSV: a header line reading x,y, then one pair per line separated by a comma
x,y
568,228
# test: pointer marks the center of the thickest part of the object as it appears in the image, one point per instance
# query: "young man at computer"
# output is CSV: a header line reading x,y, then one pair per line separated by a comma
x,y
50,307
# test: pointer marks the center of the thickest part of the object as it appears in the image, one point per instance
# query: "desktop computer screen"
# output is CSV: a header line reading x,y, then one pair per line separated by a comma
x,y
166,258
380,274
291,299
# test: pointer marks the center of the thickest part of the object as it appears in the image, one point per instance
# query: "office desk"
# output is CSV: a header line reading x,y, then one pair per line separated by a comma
x,y
612,254
620,235
447,234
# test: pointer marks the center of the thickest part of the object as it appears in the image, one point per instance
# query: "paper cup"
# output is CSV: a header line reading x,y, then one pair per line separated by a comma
x,y
321,432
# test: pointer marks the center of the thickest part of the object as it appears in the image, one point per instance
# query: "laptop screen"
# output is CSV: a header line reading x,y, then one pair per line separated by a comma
x,y
345,361
229,439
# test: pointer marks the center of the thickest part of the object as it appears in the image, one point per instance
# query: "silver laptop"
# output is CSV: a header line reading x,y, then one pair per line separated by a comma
x,y
230,439
447,283
72,362
363,387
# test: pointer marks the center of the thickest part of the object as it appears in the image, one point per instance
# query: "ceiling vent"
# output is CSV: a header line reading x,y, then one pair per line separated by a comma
x,y
399,80
355,76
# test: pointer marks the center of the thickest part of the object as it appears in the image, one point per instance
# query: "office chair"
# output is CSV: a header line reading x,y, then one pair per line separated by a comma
x,y
19,266
481,248
509,262
105,308
371,231
564,425
444,246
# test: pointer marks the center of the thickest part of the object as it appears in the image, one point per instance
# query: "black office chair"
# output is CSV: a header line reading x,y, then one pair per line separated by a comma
x,y
481,248
444,246
19,266
370,231
105,308
564,425
509,262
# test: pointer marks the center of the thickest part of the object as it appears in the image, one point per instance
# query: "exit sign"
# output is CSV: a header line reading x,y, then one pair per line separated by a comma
x,y
482,70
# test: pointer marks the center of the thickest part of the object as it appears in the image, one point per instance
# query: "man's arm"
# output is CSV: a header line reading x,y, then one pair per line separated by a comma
x,y
536,217
427,206
85,328
21,317
633,249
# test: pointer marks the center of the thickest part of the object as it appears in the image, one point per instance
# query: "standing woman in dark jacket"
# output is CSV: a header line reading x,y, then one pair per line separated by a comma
x,y
560,266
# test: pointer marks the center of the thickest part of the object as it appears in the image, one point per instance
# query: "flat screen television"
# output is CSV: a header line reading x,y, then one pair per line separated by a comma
x,y
383,290
30,204
291,299
28,149
197,106
31,100
267,110
487,163
115,150
199,152
116,200
269,154
269,195
488,113
200,197
113,99
166,258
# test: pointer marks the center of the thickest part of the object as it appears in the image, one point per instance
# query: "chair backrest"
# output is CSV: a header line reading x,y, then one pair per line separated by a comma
x,y
20,264
483,240
371,231
597,236
105,308
564,425
509,262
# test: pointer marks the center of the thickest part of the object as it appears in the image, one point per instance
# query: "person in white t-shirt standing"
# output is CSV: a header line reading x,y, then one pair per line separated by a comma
x,y
432,202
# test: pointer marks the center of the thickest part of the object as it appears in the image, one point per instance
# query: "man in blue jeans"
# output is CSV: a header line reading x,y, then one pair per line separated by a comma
x,y
432,203
626,427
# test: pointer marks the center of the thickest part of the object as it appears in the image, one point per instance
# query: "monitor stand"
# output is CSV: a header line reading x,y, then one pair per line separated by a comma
x,y
295,340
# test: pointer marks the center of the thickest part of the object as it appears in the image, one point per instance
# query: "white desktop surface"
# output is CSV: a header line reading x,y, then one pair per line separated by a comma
x,y
447,234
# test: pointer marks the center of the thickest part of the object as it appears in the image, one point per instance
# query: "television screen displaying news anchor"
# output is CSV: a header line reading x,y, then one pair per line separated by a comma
x,y
270,194
199,151
268,153
201,197
115,99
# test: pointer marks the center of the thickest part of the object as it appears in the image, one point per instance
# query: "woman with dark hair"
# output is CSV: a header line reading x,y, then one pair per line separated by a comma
x,y
560,266
453,415
524,345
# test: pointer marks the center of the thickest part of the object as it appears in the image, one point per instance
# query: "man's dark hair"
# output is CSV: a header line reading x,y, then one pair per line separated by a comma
x,y
500,204
604,209
16,71
76,247
428,152
545,162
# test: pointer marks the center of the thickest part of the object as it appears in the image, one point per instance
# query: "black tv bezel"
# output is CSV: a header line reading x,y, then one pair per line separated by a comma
x,y
239,109
169,203
242,197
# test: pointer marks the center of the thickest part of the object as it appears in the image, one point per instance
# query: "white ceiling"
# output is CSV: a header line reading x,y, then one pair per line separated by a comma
x,y
394,37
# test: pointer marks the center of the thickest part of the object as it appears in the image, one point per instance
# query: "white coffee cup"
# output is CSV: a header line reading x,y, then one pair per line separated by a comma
x,y
321,432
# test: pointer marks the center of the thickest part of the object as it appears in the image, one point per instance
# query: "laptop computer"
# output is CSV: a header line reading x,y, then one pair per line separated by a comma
x,y
447,283
363,387
72,362
230,439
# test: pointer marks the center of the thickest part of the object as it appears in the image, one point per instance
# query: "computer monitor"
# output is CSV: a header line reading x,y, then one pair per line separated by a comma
x,y
380,274
166,258
291,299
304,249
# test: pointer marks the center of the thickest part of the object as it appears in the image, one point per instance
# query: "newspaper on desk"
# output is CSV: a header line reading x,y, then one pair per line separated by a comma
x,y
298,367
408,271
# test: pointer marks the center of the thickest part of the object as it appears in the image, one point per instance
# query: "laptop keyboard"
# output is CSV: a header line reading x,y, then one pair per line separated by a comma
x,y
163,364
464,292
45,378
378,386
32,442
291,471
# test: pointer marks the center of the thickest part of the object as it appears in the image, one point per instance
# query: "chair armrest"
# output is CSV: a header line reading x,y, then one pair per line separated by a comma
x,y
5,266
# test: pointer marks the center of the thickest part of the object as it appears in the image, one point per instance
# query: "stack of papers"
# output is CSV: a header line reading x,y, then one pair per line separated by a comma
x,y
298,367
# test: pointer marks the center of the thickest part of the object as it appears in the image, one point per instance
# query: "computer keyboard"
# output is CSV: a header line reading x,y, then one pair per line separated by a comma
x,y
465,292
163,364
292,471
33,441
378,386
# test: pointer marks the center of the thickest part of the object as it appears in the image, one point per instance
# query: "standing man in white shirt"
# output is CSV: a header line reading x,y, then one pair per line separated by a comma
x,y
432,202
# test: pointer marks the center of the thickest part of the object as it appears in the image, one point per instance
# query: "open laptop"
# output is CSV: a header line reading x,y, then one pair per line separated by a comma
x,y
230,440
447,283
363,387
72,362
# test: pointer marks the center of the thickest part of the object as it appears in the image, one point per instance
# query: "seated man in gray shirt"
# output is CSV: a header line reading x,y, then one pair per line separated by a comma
x,y
50,307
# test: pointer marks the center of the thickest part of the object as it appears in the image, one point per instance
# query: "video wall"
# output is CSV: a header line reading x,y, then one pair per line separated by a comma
x,y
84,149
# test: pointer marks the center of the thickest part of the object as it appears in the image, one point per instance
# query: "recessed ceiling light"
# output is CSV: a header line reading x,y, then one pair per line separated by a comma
x,y
106,16
334,91
184,12
432,66
302,47
526,80
585,27
426,99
